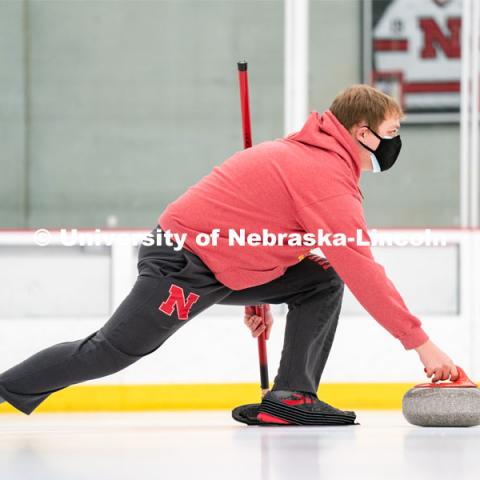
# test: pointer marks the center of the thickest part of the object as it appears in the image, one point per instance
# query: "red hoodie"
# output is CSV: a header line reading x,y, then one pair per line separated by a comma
x,y
301,183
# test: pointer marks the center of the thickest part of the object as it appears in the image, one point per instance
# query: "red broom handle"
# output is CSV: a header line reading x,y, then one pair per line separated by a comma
x,y
247,143
245,104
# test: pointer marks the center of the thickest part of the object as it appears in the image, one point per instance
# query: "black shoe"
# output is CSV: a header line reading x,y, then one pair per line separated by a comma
x,y
247,413
284,407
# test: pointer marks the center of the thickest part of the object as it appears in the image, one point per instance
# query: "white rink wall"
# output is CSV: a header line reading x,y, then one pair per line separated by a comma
x,y
54,294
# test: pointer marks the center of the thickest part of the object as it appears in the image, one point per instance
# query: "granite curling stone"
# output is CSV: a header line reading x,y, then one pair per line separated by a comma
x,y
447,404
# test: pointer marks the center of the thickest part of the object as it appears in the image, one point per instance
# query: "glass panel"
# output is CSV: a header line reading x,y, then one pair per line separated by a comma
x,y
132,102
422,189
12,116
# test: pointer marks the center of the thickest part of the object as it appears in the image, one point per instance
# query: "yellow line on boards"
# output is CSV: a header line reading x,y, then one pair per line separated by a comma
x,y
127,398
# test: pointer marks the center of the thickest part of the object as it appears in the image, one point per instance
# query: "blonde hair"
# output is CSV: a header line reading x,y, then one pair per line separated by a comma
x,y
364,103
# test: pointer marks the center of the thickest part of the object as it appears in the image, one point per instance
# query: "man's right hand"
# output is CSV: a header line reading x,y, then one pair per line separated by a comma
x,y
255,322
436,362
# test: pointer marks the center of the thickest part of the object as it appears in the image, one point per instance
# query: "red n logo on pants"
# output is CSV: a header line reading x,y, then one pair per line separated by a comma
x,y
177,298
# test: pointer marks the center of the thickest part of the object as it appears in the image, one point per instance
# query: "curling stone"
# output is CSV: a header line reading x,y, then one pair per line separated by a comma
x,y
443,404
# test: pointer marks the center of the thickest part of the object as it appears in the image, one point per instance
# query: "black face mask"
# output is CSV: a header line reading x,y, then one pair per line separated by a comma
x,y
387,151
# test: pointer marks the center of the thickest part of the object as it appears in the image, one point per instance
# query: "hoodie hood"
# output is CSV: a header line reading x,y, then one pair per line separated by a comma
x,y
327,133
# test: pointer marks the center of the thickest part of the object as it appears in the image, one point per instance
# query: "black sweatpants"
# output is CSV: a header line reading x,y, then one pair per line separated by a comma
x,y
173,287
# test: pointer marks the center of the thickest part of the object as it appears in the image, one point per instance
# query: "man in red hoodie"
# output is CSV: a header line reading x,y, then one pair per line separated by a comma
x,y
305,183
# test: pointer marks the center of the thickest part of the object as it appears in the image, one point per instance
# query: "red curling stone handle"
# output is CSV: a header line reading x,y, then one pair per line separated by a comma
x,y
461,381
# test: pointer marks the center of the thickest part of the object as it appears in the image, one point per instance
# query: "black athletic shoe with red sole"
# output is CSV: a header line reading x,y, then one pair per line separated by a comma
x,y
282,407
247,413
301,408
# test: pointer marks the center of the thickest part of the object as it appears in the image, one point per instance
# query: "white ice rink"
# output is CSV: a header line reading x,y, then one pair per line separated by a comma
x,y
210,445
